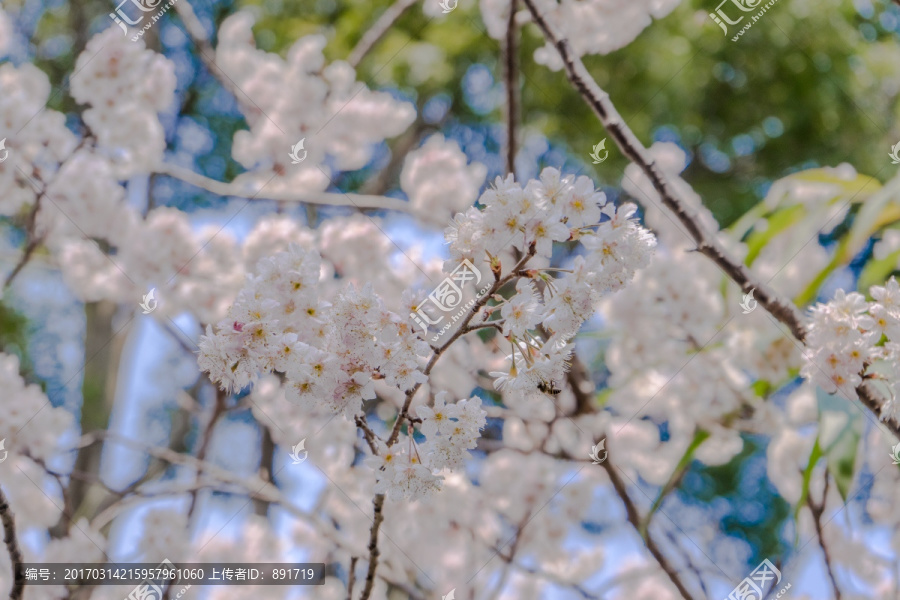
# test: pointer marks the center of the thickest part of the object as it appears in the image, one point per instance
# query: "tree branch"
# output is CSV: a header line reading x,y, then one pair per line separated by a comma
x,y
206,433
634,518
707,244
33,241
377,31
460,331
222,188
404,411
781,308
367,433
511,54
351,578
581,388
872,400
12,546
817,510
378,503
207,53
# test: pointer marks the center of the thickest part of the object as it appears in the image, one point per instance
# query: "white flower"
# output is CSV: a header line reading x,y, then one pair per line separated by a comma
x,y
543,231
522,311
437,419
888,295
553,191
438,181
845,341
413,481
583,205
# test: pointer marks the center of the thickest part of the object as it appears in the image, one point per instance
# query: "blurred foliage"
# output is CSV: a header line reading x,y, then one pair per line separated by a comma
x,y
783,97
14,337
747,505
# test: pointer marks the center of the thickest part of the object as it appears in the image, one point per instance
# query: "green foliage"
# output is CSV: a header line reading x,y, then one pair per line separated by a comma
x,y
756,513
840,431
14,336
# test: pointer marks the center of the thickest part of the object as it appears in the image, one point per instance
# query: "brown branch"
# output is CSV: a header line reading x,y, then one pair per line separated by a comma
x,y
12,546
634,518
33,240
367,432
781,308
461,330
404,411
378,503
872,400
351,578
510,558
377,31
817,510
206,436
707,243
577,375
511,54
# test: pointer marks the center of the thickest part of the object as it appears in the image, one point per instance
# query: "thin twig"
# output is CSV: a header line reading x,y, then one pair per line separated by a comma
x,y
377,31
462,330
634,518
367,432
207,54
378,502
12,546
33,240
510,558
498,325
205,438
554,579
351,578
222,188
583,402
511,55
817,510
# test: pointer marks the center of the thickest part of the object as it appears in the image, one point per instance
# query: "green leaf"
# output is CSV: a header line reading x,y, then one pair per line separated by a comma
x,y
683,463
603,396
778,221
814,457
840,430
877,271
761,388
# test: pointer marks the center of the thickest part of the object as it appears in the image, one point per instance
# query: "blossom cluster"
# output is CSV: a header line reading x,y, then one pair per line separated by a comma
x,y
101,241
34,136
332,353
411,469
590,26
295,99
851,338
438,181
531,218
328,353
33,434
125,85
458,425
27,424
